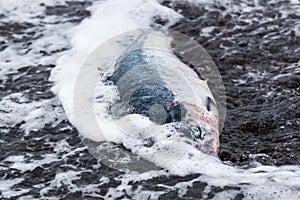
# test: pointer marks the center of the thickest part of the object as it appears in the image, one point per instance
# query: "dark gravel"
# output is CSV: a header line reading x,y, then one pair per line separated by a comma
x,y
263,112
260,42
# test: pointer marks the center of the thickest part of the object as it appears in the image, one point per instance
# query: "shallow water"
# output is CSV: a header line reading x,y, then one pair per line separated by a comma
x,y
254,44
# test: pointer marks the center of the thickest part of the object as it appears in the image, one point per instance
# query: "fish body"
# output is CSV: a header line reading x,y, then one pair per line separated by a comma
x,y
154,83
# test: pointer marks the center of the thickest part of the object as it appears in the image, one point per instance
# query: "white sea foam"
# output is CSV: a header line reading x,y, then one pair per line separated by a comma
x,y
114,17
5,188
49,34
91,33
35,114
110,18
19,164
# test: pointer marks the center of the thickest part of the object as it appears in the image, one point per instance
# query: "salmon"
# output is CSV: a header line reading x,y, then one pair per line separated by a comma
x,y
153,82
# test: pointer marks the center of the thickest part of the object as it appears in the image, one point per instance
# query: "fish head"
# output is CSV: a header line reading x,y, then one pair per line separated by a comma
x,y
202,127
204,139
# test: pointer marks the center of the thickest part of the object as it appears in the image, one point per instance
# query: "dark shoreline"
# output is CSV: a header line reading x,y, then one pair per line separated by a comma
x,y
254,115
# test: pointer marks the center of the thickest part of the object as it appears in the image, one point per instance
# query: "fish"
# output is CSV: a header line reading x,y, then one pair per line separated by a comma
x,y
153,82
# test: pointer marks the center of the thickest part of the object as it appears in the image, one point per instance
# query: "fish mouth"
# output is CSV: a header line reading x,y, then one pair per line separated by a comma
x,y
210,147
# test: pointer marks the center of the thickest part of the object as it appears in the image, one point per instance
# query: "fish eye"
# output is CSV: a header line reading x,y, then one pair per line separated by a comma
x,y
196,132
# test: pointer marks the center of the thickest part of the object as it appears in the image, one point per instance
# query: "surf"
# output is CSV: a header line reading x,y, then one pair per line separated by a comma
x,y
258,181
